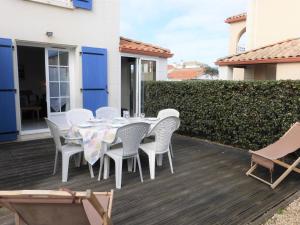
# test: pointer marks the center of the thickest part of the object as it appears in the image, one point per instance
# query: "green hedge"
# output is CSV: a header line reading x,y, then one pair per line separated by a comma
x,y
246,114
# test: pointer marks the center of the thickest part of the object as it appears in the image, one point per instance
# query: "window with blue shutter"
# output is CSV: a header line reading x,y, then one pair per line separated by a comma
x,y
94,78
8,126
83,4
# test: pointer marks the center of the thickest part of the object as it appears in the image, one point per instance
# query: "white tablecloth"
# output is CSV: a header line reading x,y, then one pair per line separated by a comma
x,y
95,138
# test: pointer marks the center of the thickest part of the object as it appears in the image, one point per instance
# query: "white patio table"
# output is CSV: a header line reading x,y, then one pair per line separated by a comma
x,y
96,135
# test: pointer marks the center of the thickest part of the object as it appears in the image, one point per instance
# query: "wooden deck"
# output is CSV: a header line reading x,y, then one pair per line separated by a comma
x,y
209,185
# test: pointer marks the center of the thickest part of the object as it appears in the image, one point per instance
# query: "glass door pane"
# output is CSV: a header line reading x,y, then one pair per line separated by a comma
x,y
59,82
147,73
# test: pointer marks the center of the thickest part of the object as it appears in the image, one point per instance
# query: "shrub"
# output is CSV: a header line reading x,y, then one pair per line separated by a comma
x,y
246,114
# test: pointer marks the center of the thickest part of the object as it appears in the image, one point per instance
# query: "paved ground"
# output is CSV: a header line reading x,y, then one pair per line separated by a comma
x,y
209,185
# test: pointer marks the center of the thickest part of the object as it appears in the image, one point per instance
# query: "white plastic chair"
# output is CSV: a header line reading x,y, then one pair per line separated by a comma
x,y
164,114
77,116
163,132
66,151
107,113
131,136
167,112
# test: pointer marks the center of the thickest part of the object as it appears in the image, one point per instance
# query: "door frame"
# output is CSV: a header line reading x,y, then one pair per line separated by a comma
x,y
17,43
138,64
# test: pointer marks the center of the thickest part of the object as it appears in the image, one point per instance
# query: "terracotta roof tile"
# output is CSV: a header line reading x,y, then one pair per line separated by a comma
x,y
284,51
236,18
140,48
185,74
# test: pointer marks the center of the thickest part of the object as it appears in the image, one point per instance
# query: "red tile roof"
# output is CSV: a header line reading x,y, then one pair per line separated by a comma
x,y
185,74
281,52
236,18
171,67
140,48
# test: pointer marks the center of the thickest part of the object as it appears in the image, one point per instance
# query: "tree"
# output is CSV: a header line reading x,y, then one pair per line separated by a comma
x,y
211,71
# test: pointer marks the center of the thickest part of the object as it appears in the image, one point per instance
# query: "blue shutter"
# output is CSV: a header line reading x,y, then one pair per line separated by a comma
x,y
94,78
8,126
83,4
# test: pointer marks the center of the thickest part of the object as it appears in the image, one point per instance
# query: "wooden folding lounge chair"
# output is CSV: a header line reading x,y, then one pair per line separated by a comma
x,y
271,155
58,207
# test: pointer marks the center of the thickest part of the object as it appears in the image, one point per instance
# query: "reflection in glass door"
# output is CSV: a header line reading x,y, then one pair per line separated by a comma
x,y
147,73
129,85
58,81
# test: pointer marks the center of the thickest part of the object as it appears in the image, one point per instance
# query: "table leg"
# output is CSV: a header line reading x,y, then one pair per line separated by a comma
x,y
130,164
106,167
159,159
106,161
38,114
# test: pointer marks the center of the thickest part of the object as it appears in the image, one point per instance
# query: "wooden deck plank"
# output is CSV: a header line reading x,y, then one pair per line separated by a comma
x,y
209,185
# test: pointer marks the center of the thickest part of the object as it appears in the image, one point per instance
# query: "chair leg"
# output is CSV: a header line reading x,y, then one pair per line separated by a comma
x,y
106,167
252,168
140,167
170,161
65,167
91,171
134,164
101,167
171,149
55,162
284,175
77,159
130,164
152,165
118,169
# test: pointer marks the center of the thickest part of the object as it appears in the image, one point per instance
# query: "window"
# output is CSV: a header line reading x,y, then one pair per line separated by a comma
x,y
59,82
61,3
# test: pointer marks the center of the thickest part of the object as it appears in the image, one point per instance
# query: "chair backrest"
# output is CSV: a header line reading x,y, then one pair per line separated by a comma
x,y
107,113
55,133
167,112
77,116
59,207
131,136
163,132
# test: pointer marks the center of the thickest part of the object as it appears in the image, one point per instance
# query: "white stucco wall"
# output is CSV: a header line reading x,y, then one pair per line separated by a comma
x,y
27,23
271,21
287,71
225,73
235,32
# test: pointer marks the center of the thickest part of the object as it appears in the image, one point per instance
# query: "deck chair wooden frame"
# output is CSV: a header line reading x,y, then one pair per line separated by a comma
x,y
84,208
267,164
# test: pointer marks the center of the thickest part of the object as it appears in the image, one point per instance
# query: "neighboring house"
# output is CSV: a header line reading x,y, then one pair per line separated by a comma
x,y
272,42
185,74
191,70
57,55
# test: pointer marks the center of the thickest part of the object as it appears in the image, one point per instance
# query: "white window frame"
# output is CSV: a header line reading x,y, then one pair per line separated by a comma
x,y
48,80
60,3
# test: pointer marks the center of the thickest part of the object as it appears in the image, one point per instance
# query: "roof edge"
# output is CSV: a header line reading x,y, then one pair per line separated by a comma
x,y
220,60
236,18
260,61
166,54
141,52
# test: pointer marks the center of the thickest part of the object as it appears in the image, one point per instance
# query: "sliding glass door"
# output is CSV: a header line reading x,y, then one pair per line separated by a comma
x,y
135,72
147,73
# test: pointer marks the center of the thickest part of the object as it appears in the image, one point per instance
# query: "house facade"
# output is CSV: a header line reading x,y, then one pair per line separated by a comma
x,y
272,42
56,55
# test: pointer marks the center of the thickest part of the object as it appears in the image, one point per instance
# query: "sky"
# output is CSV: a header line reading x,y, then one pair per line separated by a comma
x,y
191,29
